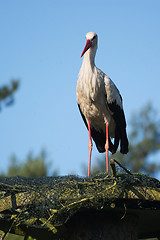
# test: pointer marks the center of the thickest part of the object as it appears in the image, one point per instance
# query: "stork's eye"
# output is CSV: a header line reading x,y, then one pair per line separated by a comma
x,y
93,37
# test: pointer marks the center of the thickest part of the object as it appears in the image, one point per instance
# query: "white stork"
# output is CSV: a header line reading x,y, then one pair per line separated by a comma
x,y
100,105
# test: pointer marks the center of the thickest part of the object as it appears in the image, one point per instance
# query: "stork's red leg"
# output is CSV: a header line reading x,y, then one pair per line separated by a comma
x,y
90,148
107,147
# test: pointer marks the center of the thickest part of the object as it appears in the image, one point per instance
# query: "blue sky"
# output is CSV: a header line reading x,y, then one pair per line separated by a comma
x,y
41,43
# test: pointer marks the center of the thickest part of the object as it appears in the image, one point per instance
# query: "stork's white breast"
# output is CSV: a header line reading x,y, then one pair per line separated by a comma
x,y
91,97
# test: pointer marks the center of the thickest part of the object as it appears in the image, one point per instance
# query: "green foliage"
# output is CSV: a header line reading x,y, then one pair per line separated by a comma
x,y
7,92
33,166
144,139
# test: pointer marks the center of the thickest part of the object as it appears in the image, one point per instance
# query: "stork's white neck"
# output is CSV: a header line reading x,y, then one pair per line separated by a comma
x,y
87,80
89,57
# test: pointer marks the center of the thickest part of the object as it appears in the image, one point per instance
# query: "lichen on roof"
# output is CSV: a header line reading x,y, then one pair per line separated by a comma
x,y
49,202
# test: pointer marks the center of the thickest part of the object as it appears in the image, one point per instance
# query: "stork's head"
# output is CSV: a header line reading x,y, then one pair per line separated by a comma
x,y
92,39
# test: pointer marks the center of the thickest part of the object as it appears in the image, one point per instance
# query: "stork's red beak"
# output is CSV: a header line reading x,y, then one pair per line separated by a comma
x,y
88,45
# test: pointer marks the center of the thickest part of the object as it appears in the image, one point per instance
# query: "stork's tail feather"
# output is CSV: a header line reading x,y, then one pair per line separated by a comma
x,y
116,141
101,145
101,148
124,143
99,138
120,136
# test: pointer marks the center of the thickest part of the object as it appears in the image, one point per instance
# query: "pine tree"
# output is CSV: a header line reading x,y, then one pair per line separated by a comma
x,y
7,93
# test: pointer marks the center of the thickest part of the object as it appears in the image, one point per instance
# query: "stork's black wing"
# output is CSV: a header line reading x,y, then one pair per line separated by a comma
x,y
120,128
114,103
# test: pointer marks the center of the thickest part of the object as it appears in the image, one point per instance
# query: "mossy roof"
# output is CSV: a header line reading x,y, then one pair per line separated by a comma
x,y
49,202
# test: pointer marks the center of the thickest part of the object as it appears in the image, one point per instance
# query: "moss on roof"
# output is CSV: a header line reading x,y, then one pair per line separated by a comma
x,y
49,202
